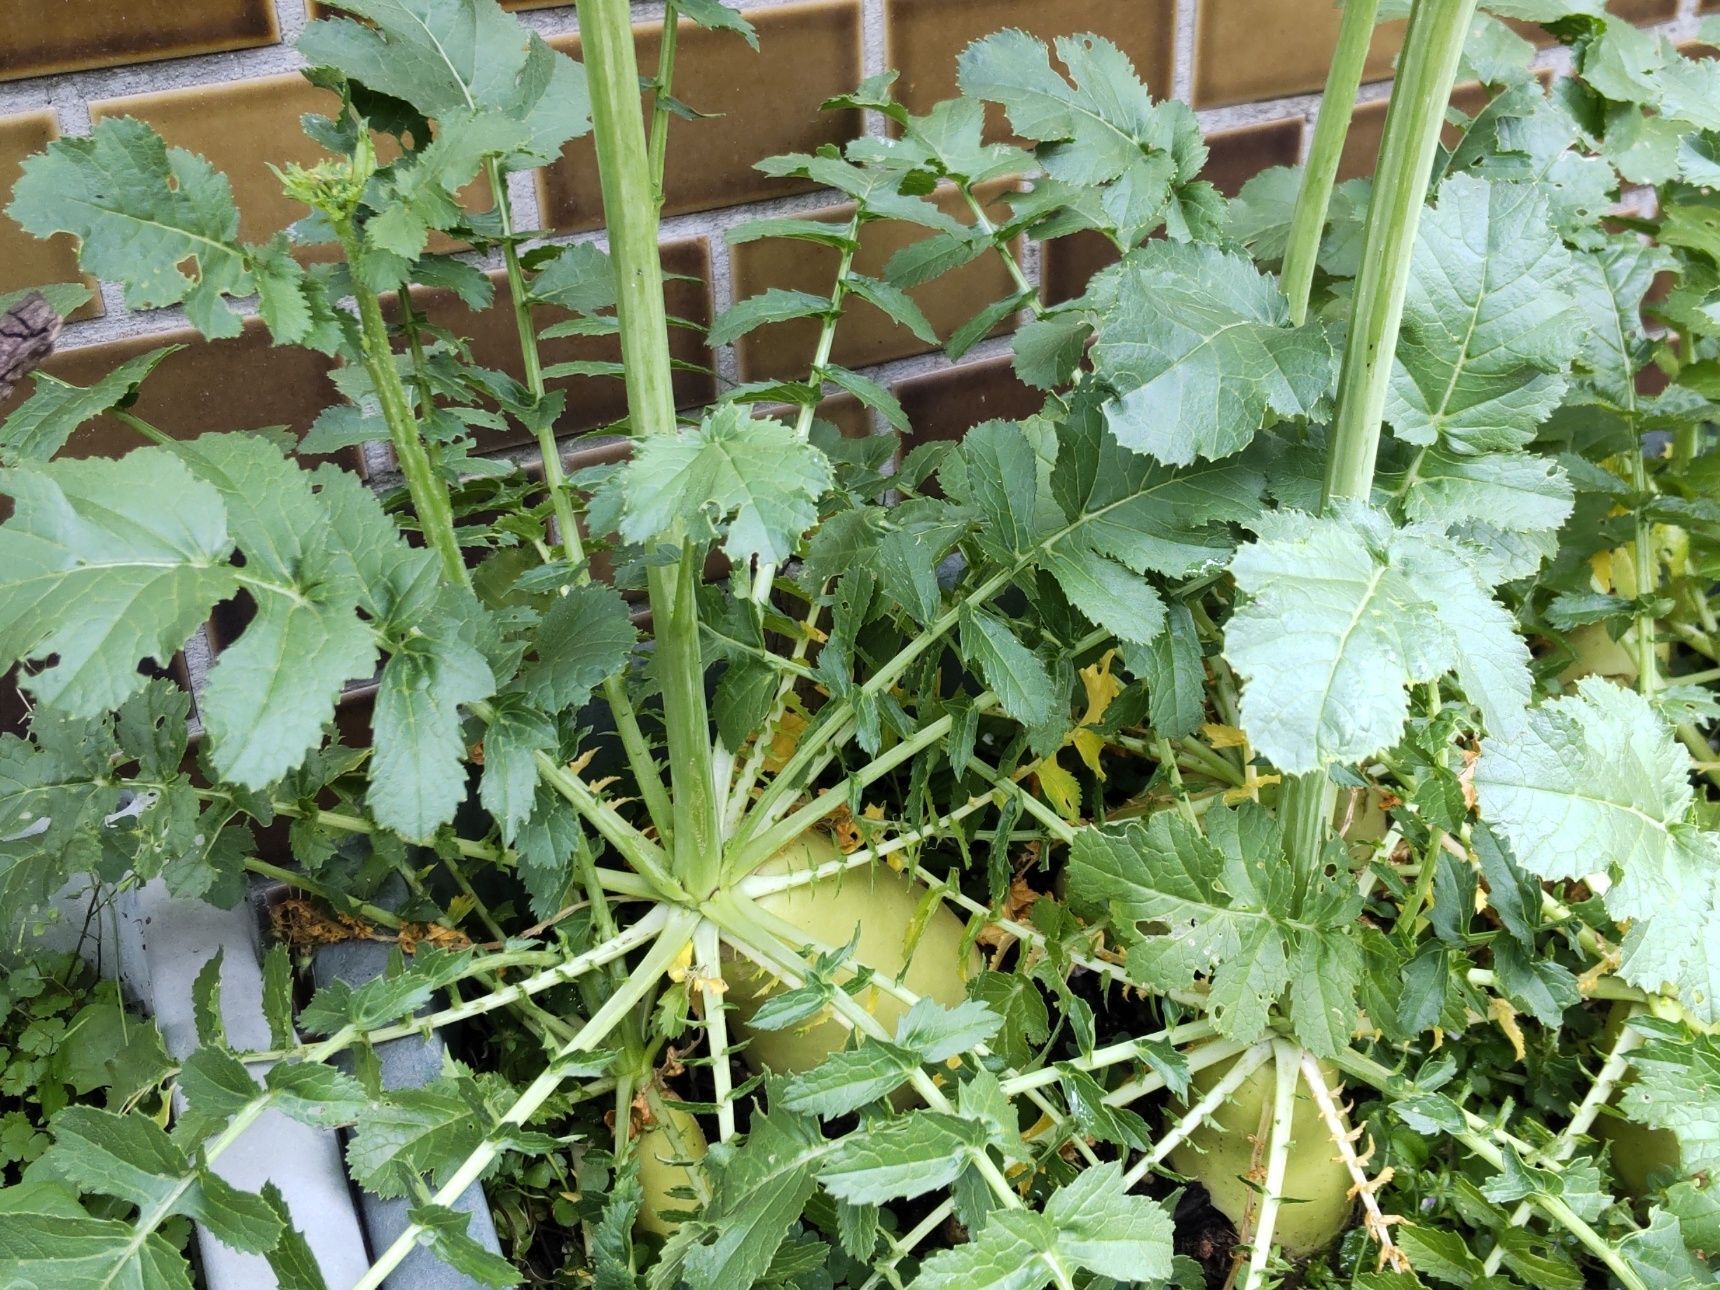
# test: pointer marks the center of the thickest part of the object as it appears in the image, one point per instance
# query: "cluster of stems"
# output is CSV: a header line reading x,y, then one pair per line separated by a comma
x,y
710,830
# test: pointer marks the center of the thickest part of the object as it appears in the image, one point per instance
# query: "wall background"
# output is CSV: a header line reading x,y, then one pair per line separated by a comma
x,y
218,77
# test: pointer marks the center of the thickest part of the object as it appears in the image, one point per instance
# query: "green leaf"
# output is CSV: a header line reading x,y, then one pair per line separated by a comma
x,y
580,278
997,476
1223,902
1110,151
400,991
1516,491
906,1156
414,1131
1101,1228
130,1157
292,1260
317,1095
143,212
1026,1022
72,1251
716,16
755,478
1199,349
1048,350
509,787
441,56
1489,325
758,1190
775,305
1676,1089
585,638
938,1033
278,994
1121,602
1538,986
1660,1256
1595,782
216,1083
846,1081
41,425
418,774
1174,669
1018,677
272,692
53,800
446,1232
1442,1255
873,394
1343,613
98,573
1009,1253
419,192
1609,285
893,303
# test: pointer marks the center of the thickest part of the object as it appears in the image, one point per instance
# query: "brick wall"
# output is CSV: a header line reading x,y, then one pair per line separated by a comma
x,y
219,77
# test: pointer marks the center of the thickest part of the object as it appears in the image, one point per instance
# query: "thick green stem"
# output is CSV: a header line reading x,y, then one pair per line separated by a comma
x,y
1426,70
1306,811
428,492
633,742
631,213
1355,35
697,846
1286,1069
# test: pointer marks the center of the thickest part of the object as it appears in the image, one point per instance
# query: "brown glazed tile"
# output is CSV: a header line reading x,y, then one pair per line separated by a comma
x,y
244,127
1646,11
946,405
1068,263
926,37
591,401
1236,156
518,6
1264,49
1368,124
27,261
38,37
865,336
765,103
241,384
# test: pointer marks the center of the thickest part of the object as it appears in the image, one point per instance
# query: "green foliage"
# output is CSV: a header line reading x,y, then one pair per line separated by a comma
x,y
1192,734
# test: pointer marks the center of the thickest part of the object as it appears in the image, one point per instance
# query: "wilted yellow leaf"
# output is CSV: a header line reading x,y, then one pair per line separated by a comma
x,y
1223,736
1059,787
1506,1018
784,741
1101,689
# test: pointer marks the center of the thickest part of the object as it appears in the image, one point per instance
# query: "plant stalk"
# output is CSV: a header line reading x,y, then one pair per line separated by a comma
x,y
1426,71
1308,222
633,743
631,214
428,492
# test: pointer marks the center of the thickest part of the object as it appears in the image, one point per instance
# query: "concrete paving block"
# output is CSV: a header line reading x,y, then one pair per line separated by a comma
x,y
408,1062
164,945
